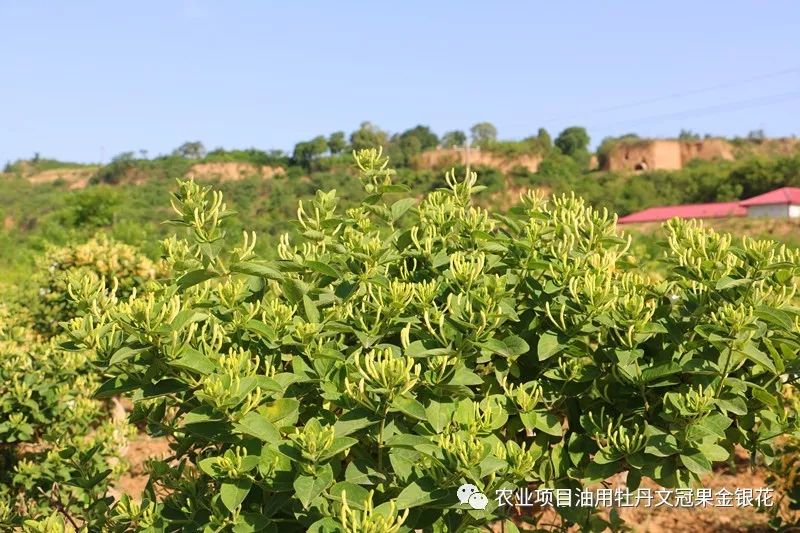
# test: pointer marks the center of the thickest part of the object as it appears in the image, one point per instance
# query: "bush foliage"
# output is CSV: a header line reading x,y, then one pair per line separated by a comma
x,y
397,349
59,449
118,264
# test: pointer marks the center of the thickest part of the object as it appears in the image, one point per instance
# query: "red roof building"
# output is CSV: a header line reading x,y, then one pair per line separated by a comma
x,y
782,196
656,214
780,203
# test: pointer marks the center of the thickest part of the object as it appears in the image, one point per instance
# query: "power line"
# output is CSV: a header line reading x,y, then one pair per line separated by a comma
x,y
672,96
710,110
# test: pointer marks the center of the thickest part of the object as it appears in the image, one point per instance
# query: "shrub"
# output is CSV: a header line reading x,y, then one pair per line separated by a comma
x,y
398,350
59,449
114,262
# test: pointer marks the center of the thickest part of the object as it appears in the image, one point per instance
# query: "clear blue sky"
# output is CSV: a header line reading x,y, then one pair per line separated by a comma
x,y
80,79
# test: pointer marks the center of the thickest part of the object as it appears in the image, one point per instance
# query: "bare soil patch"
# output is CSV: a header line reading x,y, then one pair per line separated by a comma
x,y
75,178
232,171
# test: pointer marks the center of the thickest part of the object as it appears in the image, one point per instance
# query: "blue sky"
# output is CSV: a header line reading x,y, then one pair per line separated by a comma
x,y
85,80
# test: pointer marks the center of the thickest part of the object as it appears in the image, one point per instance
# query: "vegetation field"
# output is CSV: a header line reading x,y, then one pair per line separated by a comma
x,y
337,343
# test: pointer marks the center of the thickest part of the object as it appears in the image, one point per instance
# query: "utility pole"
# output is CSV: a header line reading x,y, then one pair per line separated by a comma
x,y
466,155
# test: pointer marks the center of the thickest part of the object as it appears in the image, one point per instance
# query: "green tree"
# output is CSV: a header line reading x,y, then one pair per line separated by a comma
x,y
688,135
191,150
337,142
756,136
427,139
410,143
306,152
454,138
545,141
367,136
574,142
483,133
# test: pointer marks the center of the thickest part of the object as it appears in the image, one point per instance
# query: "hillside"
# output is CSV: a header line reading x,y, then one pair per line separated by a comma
x,y
45,202
444,158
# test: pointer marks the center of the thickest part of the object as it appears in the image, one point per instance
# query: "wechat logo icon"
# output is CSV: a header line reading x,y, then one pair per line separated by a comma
x,y
470,494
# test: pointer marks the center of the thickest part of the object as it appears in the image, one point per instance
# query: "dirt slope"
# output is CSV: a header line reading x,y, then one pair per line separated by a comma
x,y
665,154
75,178
231,171
447,157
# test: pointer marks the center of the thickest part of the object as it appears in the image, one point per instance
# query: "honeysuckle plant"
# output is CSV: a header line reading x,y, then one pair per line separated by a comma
x,y
116,263
401,348
60,450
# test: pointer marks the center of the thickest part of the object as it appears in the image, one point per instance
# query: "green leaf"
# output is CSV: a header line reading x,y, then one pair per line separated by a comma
x,y
194,277
164,387
420,492
116,386
256,326
440,259
713,452
660,371
355,494
529,419
294,289
696,462
346,289
201,415
727,282
339,445
353,421
548,345
282,410
439,414
208,465
194,361
511,346
418,349
762,395
323,268
403,461
312,314
325,525
751,351
465,376
600,471
516,345
124,354
307,488
186,317
490,465
360,472
257,425
780,318
732,404
409,406
548,423
400,207
713,425
254,522
234,492
256,269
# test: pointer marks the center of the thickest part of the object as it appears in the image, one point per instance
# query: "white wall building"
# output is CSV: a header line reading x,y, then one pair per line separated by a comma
x,y
780,203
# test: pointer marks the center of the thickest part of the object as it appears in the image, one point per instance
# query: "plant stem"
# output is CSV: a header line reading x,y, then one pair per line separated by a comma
x,y
724,373
380,438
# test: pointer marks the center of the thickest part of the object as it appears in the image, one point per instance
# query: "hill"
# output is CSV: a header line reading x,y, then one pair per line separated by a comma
x,y
47,202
